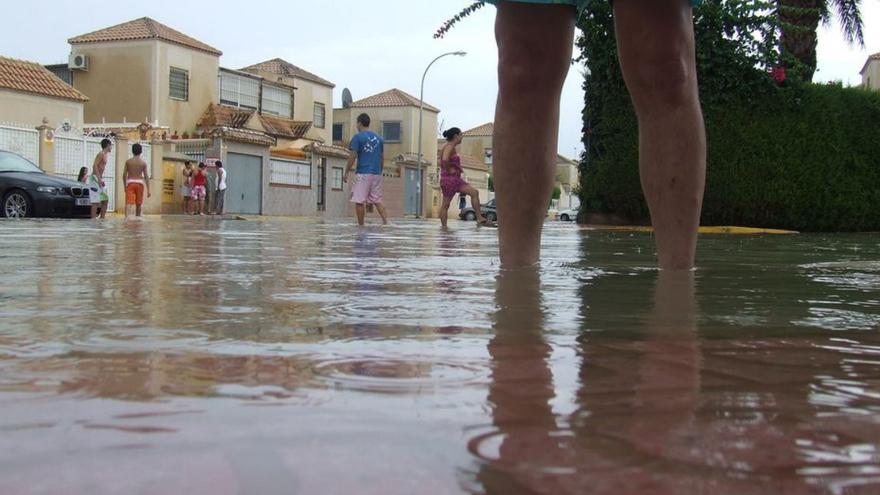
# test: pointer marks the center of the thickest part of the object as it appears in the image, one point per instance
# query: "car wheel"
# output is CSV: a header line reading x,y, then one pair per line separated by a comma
x,y
16,204
564,218
470,216
491,216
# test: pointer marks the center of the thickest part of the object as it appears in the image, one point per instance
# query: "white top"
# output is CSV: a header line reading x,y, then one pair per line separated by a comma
x,y
221,179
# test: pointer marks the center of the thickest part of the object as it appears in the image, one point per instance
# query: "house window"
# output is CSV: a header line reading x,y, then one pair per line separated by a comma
x,y
336,178
391,132
487,154
337,132
239,91
290,173
320,115
276,101
179,84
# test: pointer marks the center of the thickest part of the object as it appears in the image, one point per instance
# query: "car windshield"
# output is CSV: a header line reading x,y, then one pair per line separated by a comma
x,y
10,162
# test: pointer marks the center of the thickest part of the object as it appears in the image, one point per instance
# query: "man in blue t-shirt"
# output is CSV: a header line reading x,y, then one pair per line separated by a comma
x,y
368,149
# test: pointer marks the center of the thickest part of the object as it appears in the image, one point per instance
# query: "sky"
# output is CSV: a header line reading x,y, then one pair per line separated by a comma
x,y
368,47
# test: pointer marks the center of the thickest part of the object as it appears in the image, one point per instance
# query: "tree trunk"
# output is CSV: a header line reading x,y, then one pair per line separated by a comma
x,y
800,21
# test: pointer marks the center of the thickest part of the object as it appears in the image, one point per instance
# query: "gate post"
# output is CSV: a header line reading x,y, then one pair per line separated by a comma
x,y
46,147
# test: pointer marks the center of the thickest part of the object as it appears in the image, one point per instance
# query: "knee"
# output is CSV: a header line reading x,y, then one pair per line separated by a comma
x,y
530,71
662,79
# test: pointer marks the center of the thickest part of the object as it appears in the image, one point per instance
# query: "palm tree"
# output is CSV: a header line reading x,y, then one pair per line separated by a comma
x,y
800,20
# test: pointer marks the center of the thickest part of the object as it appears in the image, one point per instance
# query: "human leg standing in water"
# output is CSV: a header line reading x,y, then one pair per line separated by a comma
x,y
451,182
655,41
656,45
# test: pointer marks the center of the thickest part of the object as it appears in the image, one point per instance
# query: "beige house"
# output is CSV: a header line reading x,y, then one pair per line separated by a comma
x,y
477,143
143,70
568,181
313,97
395,116
871,72
29,93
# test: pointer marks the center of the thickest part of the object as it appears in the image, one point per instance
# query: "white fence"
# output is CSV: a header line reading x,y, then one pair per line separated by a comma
x,y
22,141
72,153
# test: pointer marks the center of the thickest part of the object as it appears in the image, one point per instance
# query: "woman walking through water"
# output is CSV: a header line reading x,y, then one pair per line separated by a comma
x,y
451,182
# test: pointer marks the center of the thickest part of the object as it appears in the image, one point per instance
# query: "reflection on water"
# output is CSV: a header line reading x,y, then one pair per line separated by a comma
x,y
308,357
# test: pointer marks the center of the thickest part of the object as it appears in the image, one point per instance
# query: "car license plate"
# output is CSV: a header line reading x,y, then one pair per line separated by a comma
x,y
82,202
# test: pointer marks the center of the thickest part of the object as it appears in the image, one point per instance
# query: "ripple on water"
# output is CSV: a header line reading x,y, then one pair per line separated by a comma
x,y
386,374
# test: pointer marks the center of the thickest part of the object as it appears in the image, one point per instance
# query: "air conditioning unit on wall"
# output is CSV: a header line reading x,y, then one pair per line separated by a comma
x,y
78,61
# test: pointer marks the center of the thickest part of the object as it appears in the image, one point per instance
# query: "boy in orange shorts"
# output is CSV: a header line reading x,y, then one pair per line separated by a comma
x,y
136,180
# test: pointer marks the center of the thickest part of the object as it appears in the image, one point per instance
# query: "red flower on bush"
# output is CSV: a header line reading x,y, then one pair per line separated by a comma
x,y
778,74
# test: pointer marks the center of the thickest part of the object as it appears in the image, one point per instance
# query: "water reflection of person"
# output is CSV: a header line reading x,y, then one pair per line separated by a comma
x,y
521,385
634,392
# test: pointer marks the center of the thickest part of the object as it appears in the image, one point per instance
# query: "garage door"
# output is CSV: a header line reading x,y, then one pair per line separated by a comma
x,y
244,188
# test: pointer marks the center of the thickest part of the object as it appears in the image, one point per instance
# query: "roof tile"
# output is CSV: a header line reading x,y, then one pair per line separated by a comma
x,y
391,98
284,68
143,29
487,129
237,118
29,77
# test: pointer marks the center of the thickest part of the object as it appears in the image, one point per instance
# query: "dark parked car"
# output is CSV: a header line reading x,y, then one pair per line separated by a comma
x,y
488,212
27,191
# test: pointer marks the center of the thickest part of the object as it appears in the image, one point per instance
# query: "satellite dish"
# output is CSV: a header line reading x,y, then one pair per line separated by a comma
x,y
346,98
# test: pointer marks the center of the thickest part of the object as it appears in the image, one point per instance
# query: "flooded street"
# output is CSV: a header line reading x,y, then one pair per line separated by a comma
x,y
186,355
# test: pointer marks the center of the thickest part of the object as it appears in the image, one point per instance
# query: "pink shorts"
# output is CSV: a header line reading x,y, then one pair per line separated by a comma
x,y
198,193
367,189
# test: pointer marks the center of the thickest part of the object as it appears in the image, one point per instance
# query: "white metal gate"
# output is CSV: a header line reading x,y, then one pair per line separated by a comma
x,y
22,141
71,153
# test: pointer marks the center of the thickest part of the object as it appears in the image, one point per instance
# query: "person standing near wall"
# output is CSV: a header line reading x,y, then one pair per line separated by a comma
x,y
199,192
368,150
220,194
186,188
136,180
98,196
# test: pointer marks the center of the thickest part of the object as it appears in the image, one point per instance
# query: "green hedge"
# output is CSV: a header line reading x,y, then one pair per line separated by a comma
x,y
803,157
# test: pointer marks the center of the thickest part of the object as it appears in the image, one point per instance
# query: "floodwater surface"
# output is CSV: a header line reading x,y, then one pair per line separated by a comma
x,y
185,355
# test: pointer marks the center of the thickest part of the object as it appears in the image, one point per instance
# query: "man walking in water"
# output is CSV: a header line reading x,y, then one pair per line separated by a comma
x,y
135,179
98,196
368,149
655,40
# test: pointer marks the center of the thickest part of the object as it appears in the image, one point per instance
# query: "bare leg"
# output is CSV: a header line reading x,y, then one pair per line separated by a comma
x,y
94,211
137,210
382,213
104,208
656,46
475,201
444,211
361,211
534,54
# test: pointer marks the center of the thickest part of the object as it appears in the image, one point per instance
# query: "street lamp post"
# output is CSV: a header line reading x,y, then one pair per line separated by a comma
x,y
421,109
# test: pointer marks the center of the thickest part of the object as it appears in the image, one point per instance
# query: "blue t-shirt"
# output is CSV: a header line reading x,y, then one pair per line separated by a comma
x,y
369,147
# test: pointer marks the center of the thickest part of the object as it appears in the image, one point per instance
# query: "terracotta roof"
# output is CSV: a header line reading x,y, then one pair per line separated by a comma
x,y
245,136
473,163
279,126
870,59
328,150
28,77
487,129
237,118
284,68
143,29
223,116
391,98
